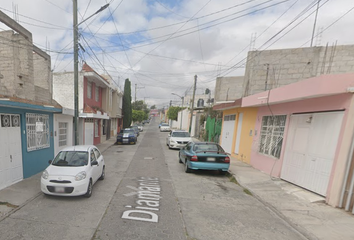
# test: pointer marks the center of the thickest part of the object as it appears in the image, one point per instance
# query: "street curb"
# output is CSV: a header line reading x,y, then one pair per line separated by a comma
x,y
297,228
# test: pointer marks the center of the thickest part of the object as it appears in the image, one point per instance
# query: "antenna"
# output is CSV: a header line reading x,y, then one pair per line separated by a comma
x,y
319,36
253,41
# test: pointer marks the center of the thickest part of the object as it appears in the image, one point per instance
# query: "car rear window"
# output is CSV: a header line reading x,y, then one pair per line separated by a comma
x,y
180,134
207,147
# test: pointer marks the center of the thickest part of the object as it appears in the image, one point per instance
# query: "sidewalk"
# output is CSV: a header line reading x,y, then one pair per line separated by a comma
x,y
301,209
17,195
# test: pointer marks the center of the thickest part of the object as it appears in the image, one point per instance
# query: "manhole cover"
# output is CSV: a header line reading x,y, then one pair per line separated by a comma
x,y
119,151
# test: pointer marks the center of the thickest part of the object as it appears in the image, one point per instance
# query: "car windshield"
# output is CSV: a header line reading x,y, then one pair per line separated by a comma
x,y
164,124
180,134
208,147
71,159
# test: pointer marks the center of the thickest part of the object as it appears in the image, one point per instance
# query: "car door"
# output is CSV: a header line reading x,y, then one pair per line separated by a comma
x,y
100,160
95,169
185,151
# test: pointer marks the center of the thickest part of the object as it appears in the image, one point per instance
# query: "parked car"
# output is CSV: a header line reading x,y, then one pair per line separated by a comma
x,y
140,127
161,123
204,155
136,129
73,172
165,127
127,135
178,139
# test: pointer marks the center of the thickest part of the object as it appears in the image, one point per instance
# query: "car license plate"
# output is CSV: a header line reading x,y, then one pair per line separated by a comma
x,y
210,159
59,189
125,140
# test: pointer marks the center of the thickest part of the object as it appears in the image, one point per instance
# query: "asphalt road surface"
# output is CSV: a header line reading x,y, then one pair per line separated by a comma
x,y
147,195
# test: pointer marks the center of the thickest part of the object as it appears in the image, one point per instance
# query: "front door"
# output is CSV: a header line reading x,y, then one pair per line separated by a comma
x,y
310,150
11,170
228,132
238,136
89,133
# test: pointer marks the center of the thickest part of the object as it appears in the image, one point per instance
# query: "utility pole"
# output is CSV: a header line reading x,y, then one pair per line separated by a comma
x,y
76,73
136,87
170,103
314,24
192,109
76,66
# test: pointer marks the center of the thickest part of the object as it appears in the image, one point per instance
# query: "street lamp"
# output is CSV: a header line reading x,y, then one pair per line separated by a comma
x,y
76,66
180,125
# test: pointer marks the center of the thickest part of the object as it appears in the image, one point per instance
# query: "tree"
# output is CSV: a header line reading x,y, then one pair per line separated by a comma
x,y
173,112
127,104
153,107
141,106
138,115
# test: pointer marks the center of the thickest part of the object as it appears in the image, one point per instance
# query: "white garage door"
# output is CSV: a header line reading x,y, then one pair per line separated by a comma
x,y
89,133
10,150
310,150
228,128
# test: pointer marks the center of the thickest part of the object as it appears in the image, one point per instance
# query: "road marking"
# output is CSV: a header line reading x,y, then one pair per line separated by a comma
x,y
148,158
149,195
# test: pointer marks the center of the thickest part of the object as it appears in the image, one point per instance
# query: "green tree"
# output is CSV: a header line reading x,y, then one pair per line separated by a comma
x,y
153,107
173,112
141,106
127,104
138,115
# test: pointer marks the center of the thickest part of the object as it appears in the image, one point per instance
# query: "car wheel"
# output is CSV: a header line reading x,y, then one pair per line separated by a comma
x,y
103,174
186,168
221,172
179,158
89,190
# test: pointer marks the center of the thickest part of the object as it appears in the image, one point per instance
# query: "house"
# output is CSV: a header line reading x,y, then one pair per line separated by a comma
x,y
27,109
294,120
100,104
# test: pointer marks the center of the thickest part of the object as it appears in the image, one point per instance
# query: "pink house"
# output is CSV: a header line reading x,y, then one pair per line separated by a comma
x,y
304,135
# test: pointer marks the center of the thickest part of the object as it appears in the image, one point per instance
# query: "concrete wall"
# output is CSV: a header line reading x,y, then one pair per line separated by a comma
x,y
228,88
63,89
274,68
16,66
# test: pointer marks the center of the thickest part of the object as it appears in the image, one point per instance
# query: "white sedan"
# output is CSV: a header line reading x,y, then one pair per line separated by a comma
x,y
178,139
73,172
164,127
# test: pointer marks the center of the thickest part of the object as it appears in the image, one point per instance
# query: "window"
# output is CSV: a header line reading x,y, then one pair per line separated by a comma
x,y
37,128
97,93
63,130
92,156
98,154
230,117
89,90
96,128
271,136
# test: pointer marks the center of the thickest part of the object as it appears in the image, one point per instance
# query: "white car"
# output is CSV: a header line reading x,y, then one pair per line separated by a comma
x,y
73,171
164,127
178,139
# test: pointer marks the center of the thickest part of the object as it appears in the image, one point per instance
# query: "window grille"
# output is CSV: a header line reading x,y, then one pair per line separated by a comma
x,y
271,135
37,127
63,130
89,90
230,117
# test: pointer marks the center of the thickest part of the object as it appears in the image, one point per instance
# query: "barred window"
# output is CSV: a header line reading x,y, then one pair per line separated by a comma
x,y
89,90
230,117
37,127
271,136
63,130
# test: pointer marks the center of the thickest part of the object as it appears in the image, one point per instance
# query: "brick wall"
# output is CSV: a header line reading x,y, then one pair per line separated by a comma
x,y
274,68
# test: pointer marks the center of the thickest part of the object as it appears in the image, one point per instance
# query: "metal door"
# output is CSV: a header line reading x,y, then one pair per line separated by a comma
x,y
310,150
89,130
11,169
228,132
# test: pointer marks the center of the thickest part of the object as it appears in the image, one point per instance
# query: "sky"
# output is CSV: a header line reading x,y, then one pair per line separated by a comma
x,y
160,45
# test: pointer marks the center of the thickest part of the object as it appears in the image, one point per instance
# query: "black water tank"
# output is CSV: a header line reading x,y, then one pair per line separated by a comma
x,y
200,103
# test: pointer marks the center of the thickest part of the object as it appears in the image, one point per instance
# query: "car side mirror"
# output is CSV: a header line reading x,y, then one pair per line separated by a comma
x,y
94,163
50,161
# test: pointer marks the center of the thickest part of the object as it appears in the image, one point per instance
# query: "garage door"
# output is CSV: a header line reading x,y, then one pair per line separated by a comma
x,y
310,150
228,128
10,150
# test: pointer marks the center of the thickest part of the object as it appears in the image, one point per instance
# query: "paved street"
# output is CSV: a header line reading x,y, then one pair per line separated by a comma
x,y
147,195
